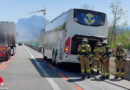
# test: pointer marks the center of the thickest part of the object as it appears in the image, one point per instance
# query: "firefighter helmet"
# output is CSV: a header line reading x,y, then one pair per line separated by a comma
x,y
84,40
98,43
120,44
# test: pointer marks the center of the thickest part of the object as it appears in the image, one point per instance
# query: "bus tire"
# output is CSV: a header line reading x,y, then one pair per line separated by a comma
x,y
56,62
42,51
53,58
45,57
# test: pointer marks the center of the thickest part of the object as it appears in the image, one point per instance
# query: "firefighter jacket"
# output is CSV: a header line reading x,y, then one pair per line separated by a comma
x,y
120,54
84,50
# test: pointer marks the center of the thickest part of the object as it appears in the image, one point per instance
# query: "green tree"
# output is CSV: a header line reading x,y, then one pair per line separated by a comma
x,y
118,13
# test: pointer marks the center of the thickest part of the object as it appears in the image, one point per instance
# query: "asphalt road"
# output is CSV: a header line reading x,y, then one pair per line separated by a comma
x,y
28,71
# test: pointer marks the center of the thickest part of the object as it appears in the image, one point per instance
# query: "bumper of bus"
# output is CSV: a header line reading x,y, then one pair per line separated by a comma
x,y
70,59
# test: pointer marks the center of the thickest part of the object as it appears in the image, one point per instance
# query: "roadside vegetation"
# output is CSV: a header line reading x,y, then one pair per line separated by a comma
x,y
118,31
123,36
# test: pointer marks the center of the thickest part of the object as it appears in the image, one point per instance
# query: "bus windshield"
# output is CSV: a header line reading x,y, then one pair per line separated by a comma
x,y
90,18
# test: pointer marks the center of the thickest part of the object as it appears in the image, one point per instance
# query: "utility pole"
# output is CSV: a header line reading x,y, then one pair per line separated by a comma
x,y
44,17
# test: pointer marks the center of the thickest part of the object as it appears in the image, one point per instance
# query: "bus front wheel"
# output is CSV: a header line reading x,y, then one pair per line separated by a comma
x,y
55,58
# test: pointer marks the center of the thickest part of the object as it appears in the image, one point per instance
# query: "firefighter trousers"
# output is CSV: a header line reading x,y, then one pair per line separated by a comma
x,y
84,62
96,61
105,66
119,67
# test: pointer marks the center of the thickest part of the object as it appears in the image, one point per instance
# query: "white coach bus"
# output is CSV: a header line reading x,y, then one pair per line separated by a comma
x,y
65,33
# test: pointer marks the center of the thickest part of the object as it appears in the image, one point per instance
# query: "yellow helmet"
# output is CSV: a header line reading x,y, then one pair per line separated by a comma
x,y
99,43
120,44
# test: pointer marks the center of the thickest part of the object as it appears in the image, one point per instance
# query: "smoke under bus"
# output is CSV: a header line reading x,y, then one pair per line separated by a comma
x,y
65,32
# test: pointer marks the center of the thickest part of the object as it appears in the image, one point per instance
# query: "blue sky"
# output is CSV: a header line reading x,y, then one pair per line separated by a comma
x,y
13,10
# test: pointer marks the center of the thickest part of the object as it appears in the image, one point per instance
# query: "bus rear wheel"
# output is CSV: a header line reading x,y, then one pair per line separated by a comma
x,y
44,57
53,58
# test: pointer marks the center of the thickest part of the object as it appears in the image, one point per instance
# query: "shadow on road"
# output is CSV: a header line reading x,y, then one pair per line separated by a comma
x,y
67,67
72,69
44,66
75,80
115,79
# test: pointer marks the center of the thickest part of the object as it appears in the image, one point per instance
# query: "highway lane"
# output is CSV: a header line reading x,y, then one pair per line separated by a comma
x,y
20,74
25,72
28,71
72,75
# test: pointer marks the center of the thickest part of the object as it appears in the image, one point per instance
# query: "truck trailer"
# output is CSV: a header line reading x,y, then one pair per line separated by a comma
x,y
7,40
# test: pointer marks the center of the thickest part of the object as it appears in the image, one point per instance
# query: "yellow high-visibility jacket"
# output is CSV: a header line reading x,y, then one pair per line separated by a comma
x,y
84,48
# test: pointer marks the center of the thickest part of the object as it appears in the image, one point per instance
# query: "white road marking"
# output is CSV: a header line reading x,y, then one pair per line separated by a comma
x,y
50,80
2,84
3,88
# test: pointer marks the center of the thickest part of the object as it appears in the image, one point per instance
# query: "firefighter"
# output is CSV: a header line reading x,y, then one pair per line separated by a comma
x,y
106,51
120,55
84,51
97,57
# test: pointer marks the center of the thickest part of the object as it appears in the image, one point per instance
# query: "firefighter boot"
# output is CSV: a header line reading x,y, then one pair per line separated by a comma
x,y
83,76
102,77
122,73
88,76
92,72
97,71
107,77
122,77
117,73
116,77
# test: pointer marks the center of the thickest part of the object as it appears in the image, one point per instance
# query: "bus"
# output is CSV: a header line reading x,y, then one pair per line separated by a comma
x,y
64,33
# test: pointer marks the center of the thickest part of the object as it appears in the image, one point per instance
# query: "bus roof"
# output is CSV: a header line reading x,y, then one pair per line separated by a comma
x,y
60,15
77,10
89,10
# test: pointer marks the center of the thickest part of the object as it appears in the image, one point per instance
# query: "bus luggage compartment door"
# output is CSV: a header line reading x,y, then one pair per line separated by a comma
x,y
77,40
